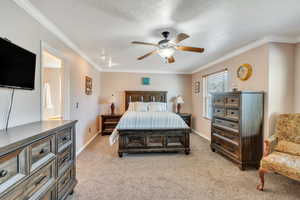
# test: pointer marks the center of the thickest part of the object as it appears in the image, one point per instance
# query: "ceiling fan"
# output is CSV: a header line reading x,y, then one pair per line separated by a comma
x,y
166,48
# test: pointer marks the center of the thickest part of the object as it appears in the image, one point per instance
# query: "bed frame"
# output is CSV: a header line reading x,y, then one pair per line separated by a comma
x,y
152,140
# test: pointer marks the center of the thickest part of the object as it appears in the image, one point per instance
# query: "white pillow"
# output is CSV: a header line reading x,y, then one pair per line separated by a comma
x,y
157,107
131,106
141,107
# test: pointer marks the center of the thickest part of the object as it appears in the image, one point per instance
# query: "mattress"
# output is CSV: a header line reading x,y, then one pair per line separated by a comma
x,y
147,120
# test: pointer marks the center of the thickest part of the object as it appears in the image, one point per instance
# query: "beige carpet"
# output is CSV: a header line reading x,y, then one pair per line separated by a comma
x,y
202,175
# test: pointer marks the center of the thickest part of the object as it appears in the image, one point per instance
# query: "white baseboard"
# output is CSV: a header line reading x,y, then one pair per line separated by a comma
x,y
201,135
86,144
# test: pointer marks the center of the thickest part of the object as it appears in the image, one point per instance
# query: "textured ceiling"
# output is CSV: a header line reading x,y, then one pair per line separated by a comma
x,y
103,29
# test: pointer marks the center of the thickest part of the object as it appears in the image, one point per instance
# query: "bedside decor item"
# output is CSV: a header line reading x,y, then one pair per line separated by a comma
x,y
197,87
112,100
146,81
179,101
282,150
236,126
244,72
88,85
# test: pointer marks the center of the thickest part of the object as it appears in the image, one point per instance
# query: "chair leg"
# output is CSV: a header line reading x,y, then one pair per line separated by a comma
x,y
261,174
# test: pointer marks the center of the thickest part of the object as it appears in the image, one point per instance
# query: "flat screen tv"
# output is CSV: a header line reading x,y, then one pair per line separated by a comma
x,y
17,66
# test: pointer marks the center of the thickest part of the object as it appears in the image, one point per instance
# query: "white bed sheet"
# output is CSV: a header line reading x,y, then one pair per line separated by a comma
x,y
147,120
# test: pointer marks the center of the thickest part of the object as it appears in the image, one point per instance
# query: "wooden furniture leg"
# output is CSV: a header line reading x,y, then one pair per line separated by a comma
x,y
261,173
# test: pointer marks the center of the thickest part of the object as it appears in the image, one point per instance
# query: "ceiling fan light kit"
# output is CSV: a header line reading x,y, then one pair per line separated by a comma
x,y
166,48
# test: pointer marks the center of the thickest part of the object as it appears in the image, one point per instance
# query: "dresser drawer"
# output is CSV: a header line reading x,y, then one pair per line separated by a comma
x,y
232,114
15,194
219,112
41,178
64,158
63,138
232,126
64,181
234,137
41,152
232,101
12,169
229,147
50,195
218,101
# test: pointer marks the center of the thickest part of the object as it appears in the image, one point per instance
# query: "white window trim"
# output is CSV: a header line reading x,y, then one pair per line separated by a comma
x,y
205,94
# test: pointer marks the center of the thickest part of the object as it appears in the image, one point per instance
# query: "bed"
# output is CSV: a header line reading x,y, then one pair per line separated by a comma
x,y
166,136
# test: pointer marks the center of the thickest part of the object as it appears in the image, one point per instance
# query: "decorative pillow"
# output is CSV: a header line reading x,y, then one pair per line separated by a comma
x,y
288,147
157,107
131,106
141,107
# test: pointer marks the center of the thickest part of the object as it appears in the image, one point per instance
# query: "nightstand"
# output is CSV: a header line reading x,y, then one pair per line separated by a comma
x,y
109,123
186,117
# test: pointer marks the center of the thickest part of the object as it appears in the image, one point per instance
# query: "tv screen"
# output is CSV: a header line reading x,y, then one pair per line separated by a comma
x,y
17,66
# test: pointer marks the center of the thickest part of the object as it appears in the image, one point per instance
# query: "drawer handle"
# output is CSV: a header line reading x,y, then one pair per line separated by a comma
x,y
3,173
40,180
64,160
64,181
42,151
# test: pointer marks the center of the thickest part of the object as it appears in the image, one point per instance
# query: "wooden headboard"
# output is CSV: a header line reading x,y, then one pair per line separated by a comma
x,y
144,96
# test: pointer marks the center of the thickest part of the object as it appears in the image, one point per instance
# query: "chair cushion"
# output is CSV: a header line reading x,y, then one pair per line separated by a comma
x,y
282,163
288,147
288,128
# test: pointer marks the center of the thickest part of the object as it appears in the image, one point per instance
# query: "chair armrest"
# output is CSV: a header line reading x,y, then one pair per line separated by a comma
x,y
270,144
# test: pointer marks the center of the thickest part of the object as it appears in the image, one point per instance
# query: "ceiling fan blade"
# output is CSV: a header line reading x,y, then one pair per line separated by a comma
x,y
194,49
144,43
180,37
171,59
148,54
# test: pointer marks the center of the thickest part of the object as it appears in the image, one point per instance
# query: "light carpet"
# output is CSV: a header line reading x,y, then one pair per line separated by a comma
x,y
204,175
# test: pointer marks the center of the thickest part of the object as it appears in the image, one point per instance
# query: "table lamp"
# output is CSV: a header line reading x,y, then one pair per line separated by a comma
x,y
112,100
179,101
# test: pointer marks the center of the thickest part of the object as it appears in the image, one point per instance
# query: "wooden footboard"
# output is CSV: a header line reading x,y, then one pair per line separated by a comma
x,y
158,140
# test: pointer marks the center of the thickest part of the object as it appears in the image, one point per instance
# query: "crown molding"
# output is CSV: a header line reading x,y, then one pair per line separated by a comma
x,y
44,21
144,71
253,45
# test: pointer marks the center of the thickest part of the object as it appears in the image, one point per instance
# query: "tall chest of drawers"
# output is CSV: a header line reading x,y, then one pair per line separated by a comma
x,y
237,126
37,161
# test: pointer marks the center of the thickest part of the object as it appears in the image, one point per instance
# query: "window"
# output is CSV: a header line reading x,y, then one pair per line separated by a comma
x,y
217,82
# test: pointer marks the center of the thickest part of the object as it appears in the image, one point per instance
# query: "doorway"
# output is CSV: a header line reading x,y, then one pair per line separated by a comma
x,y
54,104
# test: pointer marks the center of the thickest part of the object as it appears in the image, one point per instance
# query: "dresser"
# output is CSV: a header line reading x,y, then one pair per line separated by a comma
x,y
37,161
237,127
109,123
186,117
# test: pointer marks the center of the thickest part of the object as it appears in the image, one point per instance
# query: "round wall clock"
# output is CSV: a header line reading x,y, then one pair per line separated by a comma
x,y
244,72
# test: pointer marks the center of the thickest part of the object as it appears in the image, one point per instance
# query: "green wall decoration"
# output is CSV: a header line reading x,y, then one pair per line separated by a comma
x,y
146,81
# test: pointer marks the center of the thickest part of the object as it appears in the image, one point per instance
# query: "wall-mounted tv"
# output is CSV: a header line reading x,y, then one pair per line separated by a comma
x,y
17,66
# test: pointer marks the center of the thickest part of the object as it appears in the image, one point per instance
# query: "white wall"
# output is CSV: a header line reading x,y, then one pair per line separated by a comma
x,y
24,31
280,82
117,82
297,79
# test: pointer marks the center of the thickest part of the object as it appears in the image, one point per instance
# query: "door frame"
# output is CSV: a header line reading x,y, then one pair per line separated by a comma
x,y
65,80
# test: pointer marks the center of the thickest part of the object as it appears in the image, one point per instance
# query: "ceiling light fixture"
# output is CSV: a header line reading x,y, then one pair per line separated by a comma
x,y
166,52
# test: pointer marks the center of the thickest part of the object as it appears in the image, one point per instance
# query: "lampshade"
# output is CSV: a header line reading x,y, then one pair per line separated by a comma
x,y
112,99
179,100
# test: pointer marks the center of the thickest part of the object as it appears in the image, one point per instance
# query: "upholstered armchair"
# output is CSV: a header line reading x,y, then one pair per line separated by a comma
x,y
282,150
